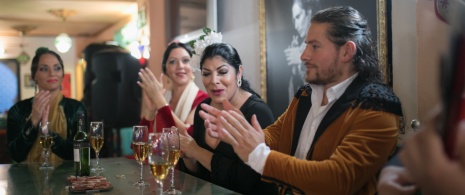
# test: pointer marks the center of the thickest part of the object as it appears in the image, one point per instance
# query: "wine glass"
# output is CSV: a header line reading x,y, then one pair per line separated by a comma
x,y
46,141
159,153
96,140
175,151
140,141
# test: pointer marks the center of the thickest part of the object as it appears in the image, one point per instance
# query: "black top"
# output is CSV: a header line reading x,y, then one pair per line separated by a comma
x,y
21,134
228,170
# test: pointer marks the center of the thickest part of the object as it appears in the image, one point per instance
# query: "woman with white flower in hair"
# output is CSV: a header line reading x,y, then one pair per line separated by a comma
x,y
185,95
207,157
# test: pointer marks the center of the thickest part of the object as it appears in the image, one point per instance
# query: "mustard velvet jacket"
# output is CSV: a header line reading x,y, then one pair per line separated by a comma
x,y
354,140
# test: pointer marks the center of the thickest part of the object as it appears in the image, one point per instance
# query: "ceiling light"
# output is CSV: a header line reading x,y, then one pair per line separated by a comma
x,y
63,42
23,57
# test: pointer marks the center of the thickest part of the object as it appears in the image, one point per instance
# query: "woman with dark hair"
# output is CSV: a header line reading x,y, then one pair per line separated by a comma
x,y
207,157
48,105
185,95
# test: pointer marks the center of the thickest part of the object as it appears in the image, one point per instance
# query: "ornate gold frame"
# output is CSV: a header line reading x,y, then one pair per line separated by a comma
x,y
381,39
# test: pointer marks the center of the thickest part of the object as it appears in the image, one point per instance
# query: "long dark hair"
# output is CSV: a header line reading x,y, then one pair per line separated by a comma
x,y
168,50
230,55
347,24
35,61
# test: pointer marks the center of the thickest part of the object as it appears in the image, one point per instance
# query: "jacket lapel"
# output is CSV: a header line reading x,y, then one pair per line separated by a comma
x,y
305,102
339,107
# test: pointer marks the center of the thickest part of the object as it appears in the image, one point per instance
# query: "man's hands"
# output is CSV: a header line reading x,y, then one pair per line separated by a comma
x,y
232,128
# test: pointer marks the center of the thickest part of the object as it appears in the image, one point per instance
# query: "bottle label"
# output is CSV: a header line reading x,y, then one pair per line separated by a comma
x,y
76,148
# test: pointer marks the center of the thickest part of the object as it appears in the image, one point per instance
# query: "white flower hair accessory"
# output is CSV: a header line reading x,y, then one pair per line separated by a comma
x,y
201,43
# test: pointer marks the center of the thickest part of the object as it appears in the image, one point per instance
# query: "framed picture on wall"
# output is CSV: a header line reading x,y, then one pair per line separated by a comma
x,y
28,81
283,27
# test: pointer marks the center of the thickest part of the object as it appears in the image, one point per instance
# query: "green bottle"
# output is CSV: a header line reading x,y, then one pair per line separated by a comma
x,y
81,148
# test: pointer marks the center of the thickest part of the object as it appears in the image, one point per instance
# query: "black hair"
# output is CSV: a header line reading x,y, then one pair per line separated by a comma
x,y
168,50
347,24
229,55
35,61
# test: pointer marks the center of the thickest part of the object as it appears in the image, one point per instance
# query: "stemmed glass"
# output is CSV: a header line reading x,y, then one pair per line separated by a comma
x,y
96,140
46,141
140,141
175,152
159,153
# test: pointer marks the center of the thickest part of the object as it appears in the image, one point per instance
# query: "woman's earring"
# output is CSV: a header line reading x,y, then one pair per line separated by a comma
x,y
239,82
193,77
35,87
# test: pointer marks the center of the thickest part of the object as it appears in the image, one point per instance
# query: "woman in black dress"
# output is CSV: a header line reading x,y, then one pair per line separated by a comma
x,y
207,157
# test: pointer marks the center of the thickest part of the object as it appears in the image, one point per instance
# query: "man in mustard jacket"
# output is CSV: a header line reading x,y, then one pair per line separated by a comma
x,y
338,130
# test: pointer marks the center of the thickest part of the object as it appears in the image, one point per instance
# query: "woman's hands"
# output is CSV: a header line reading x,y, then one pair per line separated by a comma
x,y
40,107
433,171
188,145
395,180
152,88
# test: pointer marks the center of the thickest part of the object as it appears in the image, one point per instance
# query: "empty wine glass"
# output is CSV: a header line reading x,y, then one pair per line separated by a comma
x,y
175,152
96,140
140,141
159,153
46,141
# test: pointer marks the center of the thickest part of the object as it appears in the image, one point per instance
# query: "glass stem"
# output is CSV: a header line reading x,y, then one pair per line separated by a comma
x,y
160,187
141,166
46,156
96,156
172,177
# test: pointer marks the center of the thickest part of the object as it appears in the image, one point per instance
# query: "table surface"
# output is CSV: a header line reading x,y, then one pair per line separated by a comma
x,y
122,173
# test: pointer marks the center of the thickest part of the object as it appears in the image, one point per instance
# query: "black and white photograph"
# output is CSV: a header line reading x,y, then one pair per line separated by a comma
x,y
287,22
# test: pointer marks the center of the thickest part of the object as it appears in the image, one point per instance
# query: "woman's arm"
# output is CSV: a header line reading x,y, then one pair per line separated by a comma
x,y
21,134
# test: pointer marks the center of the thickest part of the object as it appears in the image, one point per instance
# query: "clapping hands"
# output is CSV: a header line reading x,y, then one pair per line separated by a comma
x,y
153,88
40,107
231,127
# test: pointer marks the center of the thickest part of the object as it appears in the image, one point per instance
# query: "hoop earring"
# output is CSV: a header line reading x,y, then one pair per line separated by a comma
x,y
239,82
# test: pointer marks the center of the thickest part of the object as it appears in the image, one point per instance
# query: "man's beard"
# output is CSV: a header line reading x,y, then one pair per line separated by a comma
x,y
329,76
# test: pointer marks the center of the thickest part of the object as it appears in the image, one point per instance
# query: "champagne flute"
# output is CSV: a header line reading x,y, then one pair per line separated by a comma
x,y
175,152
96,140
140,138
45,141
159,153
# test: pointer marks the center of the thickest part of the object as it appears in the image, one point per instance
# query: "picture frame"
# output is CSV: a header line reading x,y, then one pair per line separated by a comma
x,y
277,31
28,81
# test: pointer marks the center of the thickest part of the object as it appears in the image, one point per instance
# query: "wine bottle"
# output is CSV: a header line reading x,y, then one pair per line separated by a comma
x,y
81,148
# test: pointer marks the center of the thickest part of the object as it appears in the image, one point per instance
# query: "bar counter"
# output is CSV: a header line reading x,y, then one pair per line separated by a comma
x,y
120,172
